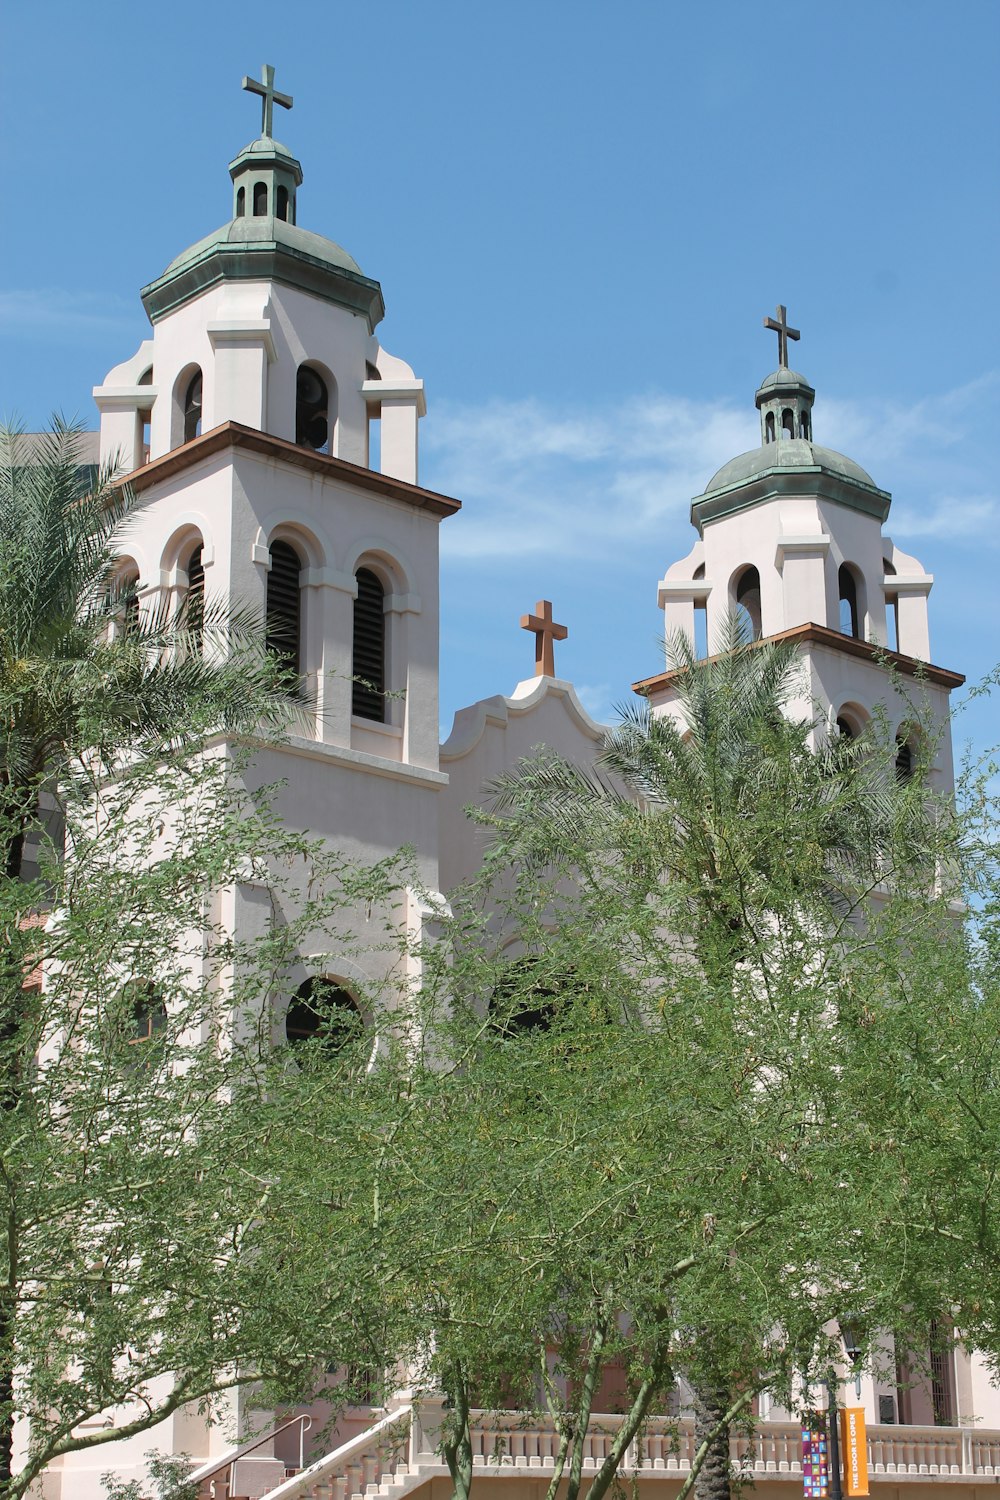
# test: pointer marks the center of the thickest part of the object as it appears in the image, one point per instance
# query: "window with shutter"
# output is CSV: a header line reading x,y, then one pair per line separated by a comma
x,y
369,648
194,604
284,606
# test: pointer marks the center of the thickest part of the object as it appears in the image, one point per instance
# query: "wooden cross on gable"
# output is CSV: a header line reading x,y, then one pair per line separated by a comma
x,y
780,326
545,632
269,95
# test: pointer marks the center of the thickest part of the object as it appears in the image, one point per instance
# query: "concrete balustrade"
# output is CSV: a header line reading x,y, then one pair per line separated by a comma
x,y
398,1454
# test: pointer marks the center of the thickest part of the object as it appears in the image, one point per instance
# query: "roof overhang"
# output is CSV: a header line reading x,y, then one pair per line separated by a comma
x,y
233,435
821,635
264,260
813,482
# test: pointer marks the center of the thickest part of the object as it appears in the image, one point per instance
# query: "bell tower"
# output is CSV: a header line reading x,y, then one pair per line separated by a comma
x,y
791,540
247,422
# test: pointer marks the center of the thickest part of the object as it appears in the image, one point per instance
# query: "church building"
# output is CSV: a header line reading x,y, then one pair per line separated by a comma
x,y
274,446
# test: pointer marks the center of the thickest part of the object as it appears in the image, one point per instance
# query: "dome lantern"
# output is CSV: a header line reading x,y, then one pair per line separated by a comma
x,y
785,399
265,174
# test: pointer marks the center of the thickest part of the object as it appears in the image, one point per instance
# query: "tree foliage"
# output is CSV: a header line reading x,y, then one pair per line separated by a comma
x,y
146,1235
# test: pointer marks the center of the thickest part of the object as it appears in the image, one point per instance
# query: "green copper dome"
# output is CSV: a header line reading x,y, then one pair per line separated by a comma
x,y
788,464
783,379
263,241
251,234
789,453
266,249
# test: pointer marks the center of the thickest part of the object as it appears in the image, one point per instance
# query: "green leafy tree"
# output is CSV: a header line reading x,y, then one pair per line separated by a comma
x,y
145,1258
134,1274
730,846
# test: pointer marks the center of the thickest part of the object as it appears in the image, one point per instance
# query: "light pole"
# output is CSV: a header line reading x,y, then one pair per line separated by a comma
x,y
852,1348
836,1492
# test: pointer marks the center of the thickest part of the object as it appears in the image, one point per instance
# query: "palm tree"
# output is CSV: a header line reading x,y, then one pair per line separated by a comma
x,y
84,671
746,815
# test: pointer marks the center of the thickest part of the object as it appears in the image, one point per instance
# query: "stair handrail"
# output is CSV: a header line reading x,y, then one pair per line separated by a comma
x,y
216,1465
293,1487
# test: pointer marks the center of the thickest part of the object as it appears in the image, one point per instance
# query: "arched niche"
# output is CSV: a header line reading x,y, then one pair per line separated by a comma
x,y
851,601
851,720
323,1012
186,405
315,407
124,591
745,593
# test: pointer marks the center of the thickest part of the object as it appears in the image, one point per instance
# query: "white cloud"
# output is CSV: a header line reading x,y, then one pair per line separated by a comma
x,y
584,483
952,519
536,479
596,699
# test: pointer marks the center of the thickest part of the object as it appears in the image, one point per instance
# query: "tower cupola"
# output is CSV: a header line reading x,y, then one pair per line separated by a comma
x,y
265,174
785,399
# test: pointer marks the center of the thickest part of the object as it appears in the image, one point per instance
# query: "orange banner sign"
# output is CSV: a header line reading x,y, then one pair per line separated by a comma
x,y
854,1446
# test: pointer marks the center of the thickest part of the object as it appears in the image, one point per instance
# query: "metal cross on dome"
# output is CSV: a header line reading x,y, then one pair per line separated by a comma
x,y
269,95
545,632
781,328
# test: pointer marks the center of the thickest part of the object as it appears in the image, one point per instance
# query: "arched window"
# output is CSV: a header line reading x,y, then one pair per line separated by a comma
x,y
804,425
520,1003
891,609
312,410
192,408
374,422
322,1010
283,628
700,617
769,427
241,202
846,729
281,206
123,597
788,422
146,1013
368,696
194,601
904,756
259,199
747,601
850,617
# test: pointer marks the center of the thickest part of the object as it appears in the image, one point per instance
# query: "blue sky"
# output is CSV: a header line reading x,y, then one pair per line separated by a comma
x,y
579,215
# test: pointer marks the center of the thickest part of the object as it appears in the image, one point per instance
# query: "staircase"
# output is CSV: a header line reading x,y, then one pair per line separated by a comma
x,y
378,1464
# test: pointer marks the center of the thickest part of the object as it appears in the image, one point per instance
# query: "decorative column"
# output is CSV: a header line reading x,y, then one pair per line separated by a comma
x,y
243,349
801,560
678,598
913,634
122,409
400,403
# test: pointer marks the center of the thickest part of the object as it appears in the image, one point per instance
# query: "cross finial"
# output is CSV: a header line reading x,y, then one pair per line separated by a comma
x,y
781,328
545,632
269,95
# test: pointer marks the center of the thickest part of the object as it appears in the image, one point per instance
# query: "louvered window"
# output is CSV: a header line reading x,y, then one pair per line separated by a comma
x,y
369,648
284,606
194,604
